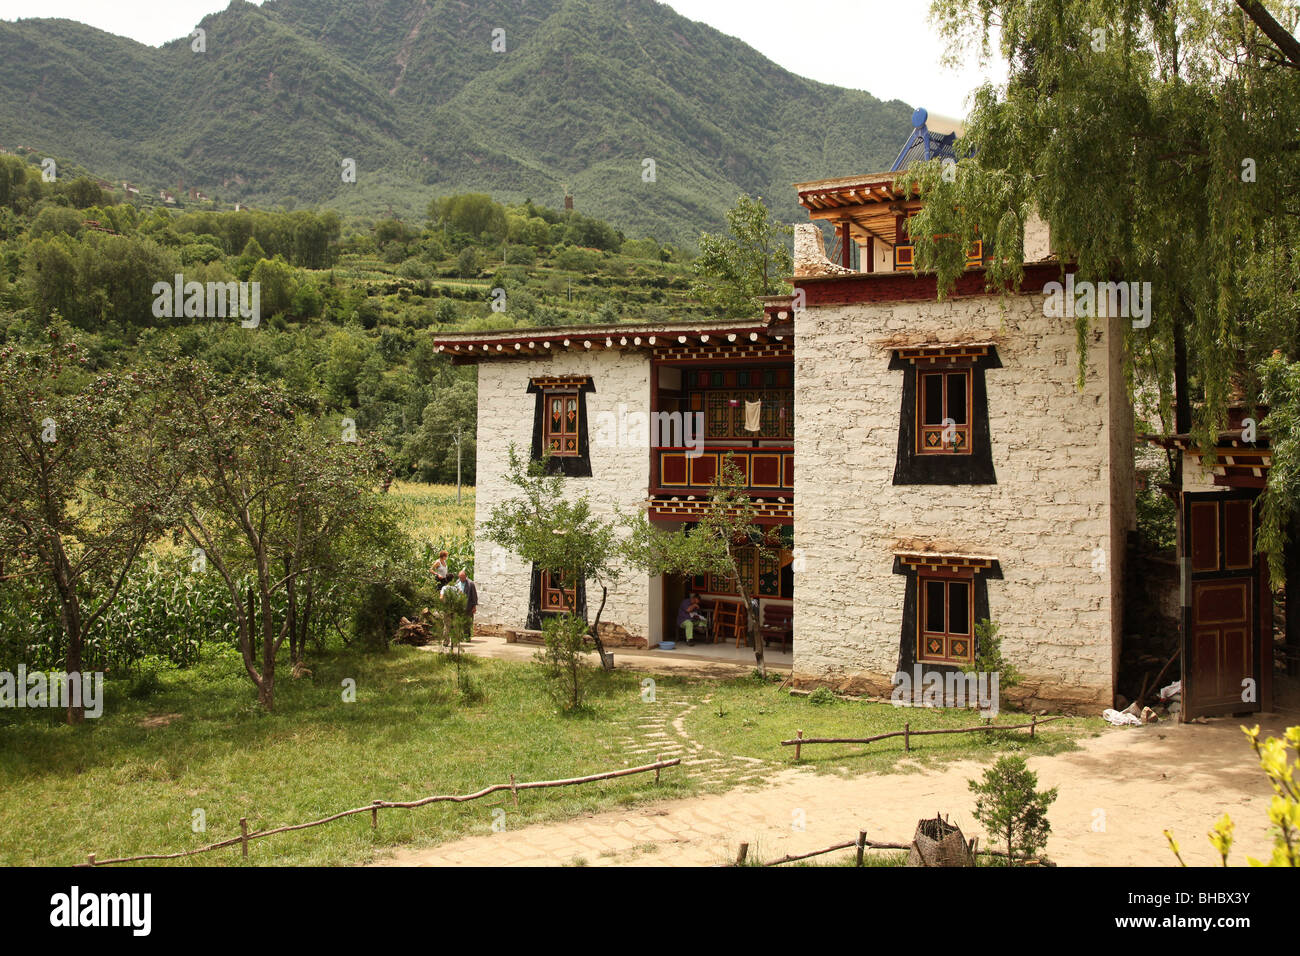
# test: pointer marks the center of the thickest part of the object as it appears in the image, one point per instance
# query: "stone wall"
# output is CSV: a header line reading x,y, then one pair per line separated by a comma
x,y
1048,520
619,466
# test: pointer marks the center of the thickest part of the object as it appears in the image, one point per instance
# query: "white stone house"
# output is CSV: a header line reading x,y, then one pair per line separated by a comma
x,y
932,464
618,405
927,464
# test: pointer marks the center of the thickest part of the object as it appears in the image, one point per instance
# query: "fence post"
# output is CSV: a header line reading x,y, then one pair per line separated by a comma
x,y
90,860
907,738
243,834
798,747
514,791
862,845
744,852
1032,725
374,815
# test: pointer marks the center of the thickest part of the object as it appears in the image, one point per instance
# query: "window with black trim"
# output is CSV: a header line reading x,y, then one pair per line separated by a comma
x,y
547,596
560,424
943,430
944,596
945,629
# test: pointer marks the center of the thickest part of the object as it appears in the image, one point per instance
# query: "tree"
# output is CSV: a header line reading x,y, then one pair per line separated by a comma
x,y
714,545
264,493
252,254
1010,807
69,513
84,192
278,281
753,260
475,214
1158,142
560,535
469,262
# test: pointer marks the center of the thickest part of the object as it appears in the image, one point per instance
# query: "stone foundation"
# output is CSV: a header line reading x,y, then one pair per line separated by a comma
x,y
1035,694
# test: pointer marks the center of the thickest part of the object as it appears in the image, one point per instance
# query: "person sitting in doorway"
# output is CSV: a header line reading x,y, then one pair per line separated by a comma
x,y
689,616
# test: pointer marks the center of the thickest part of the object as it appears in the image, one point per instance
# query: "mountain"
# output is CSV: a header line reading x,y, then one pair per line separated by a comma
x,y
412,90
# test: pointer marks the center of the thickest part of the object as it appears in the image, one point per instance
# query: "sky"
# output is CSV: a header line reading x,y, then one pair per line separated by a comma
x,y
844,42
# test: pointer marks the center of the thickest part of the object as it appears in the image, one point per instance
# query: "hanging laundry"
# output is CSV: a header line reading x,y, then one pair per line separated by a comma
x,y
753,416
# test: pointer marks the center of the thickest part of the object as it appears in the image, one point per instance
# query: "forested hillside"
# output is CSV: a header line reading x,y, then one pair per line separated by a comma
x,y
578,94
346,316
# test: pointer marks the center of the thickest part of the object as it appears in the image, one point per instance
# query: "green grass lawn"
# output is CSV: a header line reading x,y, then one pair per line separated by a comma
x,y
736,720
131,781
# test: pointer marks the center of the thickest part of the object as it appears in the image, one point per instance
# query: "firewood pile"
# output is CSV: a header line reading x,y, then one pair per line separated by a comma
x,y
414,633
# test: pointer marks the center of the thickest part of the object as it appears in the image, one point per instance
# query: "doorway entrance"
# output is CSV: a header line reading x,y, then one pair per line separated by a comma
x,y
1223,634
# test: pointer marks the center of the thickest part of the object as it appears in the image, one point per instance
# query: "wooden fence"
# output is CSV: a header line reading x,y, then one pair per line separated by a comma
x,y
862,844
373,809
907,733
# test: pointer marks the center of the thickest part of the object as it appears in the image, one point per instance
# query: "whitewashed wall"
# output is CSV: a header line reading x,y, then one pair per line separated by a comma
x,y
1061,455
619,465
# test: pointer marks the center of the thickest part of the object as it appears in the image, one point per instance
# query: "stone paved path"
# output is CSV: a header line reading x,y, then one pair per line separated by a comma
x,y
1117,794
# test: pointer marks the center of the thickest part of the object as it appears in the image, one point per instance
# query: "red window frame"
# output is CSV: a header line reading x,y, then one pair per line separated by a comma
x,y
943,642
561,422
932,438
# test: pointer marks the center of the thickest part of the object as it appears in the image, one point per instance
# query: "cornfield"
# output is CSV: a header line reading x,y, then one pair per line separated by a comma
x,y
168,611
437,523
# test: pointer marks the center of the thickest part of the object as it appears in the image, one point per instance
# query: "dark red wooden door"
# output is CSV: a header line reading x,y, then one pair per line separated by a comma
x,y
1221,613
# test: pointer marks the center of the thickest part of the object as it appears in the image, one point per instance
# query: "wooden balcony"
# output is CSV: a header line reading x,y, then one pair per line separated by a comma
x,y
904,255
767,471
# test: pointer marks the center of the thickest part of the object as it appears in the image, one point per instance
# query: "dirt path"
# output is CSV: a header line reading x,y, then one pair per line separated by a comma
x,y
1117,794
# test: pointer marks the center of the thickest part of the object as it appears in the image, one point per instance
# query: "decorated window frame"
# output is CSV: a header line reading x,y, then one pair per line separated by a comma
x,y
544,592
945,620
555,598
935,580
943,405
943,432
767,578
560,423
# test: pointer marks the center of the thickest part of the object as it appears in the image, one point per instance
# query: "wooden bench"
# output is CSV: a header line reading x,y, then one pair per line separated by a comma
x,y
778,624
523,635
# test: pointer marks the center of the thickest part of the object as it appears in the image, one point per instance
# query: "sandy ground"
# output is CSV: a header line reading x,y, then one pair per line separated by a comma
x,y
1118,792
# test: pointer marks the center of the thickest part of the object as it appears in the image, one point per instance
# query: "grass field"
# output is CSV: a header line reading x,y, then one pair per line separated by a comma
x,y
134,781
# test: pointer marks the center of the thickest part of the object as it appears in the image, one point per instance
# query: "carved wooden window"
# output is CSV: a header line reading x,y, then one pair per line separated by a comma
x,y
943,412
555,598
765,577
946,620
560,425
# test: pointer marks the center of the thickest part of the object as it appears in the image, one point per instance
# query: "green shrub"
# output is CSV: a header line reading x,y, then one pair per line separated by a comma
x,y
989,659
563,661
1156,520
1009,808
821,697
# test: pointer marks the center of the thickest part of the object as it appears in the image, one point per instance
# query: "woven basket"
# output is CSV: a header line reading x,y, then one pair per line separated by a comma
x,y
939,843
